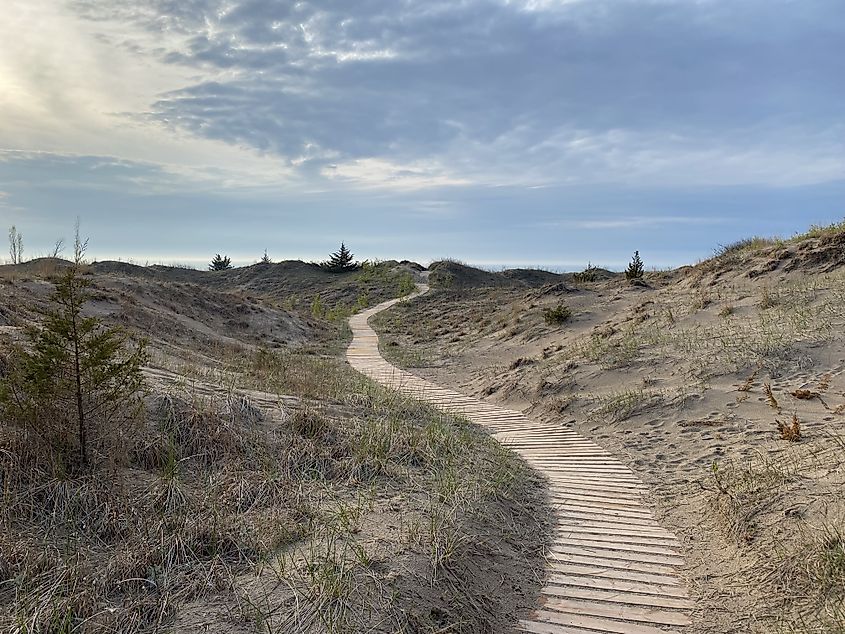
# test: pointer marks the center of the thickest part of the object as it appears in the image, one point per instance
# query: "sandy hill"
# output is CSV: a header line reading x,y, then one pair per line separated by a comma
x,y
722,385
456,275
259,484
267,304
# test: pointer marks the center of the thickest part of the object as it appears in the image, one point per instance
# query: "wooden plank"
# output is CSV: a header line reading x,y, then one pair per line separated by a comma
x,y
572,458
603,536
595,489
566,480
641,514
594,479
572,514
586,495
567,486
589,551
586,570
590,465
614,584
586,525
621,546
604,510
621,612
596,623
614,596
535,627
615,564
561,447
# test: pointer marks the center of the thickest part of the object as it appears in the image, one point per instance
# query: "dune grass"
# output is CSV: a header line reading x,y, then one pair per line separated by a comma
x,y
276,507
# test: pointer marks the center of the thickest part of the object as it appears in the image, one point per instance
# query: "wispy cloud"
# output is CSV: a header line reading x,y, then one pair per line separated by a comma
x,y
379,173
634,222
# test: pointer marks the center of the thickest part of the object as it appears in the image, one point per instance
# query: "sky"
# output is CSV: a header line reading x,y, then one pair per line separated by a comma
x,y
499,132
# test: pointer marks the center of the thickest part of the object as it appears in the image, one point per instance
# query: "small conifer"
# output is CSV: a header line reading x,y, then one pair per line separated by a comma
x,y
340,261
76,378
220,263
635,269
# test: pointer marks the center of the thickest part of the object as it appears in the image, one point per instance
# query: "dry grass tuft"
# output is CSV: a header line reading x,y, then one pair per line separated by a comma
x,y
805,395
770,397
767,299
192,508
749,382
795,540
790,431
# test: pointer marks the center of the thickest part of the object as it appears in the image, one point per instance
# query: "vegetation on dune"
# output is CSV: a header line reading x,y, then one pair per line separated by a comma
x,y
277,490
268,510
75,385
15,245
558,315
220,263
589,274
255,489
341,261
733,253
635,269
76,375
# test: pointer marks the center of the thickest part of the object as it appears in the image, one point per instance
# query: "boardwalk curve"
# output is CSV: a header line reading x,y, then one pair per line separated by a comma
x,y
612,567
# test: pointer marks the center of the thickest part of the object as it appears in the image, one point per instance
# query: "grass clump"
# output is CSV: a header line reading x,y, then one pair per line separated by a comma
x,y
790,431
610,352
619,406
191,507
733,251
794,542
822,231
558,315
389,278
744,491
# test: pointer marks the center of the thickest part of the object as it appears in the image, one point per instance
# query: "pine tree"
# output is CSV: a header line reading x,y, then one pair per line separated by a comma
x,y
77,378
340,261
219,263
635,268
265,259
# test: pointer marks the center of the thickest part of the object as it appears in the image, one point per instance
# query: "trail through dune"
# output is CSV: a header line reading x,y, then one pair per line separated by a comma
x,y
612,567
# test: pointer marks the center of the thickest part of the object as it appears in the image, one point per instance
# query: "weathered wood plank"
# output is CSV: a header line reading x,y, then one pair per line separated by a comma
x,y
621,612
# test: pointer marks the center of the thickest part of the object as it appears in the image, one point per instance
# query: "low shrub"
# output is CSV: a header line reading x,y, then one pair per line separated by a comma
x,y
557,315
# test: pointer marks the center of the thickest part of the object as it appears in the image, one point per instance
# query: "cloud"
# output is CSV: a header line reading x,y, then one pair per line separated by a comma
x,y
380,173
647,221
529,91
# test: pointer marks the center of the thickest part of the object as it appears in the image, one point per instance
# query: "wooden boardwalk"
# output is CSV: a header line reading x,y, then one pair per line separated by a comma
x,y
612,567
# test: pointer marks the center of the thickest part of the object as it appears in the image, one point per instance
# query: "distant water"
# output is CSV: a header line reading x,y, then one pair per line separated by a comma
x,y
552,268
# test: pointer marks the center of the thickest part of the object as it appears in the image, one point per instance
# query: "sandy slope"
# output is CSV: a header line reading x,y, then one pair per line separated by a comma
x,y
673,379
